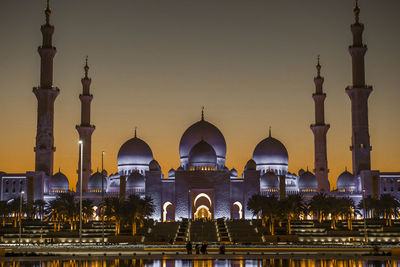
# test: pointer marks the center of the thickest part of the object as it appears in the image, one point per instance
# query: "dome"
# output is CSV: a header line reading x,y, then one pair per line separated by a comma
x,y
95,182
250,165
59,182
269,181
271,151
308,181
346,180
135,180
135,152
171,173
202,154
234,173
202,130
154,166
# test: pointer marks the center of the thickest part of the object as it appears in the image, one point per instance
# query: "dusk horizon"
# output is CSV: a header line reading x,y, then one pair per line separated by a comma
x,y
154,65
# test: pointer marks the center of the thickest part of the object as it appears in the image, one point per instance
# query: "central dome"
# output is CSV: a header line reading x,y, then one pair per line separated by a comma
x,y
202,155
134,154
202,130
271,154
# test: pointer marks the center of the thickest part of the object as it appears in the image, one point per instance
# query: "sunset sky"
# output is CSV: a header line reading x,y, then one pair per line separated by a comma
x,y
155,63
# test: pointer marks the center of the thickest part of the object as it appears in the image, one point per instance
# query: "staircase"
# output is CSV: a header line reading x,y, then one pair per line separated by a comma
x,y
182,233
222,231
242,231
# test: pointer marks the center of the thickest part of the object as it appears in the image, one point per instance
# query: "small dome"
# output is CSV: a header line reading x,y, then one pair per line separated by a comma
x,y
95,182
202,154
202,130
234,173
250,165
59,182
308,181
270,151
301,171
346,180
171,173
134,153
135,180
269,181
154,166
180,169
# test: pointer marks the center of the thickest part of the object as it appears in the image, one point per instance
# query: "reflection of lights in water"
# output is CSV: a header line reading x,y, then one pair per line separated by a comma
x,y
206,263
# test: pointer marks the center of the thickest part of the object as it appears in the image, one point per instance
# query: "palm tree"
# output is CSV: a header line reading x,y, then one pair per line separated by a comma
x,y
292,208
371,205
318,205
347,210
4,212
13,207
114,209
87,209
254,204
389,207
138,209
39,207
271,211
63,209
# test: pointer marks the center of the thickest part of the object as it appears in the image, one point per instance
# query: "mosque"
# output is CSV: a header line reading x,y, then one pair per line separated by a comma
x,y
202,186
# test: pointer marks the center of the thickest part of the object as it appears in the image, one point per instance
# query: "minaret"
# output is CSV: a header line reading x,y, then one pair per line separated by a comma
x,y
46,95
320,130
359,93
85,130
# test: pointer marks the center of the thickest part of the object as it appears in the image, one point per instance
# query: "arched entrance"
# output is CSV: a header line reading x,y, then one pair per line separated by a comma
x,y
202,207
168,213
202,212
237,211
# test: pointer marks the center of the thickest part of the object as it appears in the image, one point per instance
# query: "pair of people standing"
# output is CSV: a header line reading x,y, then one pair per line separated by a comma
x,y
198,248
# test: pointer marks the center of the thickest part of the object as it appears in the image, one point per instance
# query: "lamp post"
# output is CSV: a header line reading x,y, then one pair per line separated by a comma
x,y
80,190
102,195
365,220
20,216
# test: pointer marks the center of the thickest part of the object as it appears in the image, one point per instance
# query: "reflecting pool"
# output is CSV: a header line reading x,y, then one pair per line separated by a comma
x,y
201,263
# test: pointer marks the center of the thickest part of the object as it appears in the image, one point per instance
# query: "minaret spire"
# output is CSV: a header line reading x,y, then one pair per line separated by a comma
x,y
85,129
359,93
320,130
47,12
46,95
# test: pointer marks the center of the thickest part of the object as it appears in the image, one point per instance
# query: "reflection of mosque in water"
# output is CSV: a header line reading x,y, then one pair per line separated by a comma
x,y
202,186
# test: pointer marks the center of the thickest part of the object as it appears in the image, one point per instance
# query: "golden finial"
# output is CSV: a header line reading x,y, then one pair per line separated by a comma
x,y
135,131
202,113
357,12
86,68
48,12
269,132
318,67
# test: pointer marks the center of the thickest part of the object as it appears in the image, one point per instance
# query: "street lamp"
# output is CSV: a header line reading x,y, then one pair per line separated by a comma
x,y
80,191
102,194
20,216
365,220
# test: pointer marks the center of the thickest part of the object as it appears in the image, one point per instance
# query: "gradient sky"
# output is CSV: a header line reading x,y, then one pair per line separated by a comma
x,y
154,63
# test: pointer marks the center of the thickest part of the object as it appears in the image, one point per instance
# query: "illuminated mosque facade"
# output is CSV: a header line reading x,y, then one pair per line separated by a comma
x,y
202,186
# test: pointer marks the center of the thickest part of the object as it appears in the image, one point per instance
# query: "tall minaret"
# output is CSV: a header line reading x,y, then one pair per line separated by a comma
x,y
46,95
320,130
85,130
359,93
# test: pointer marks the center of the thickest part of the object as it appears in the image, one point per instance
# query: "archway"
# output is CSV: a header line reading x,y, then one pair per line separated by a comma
x,y
202,212
168,212
237,211
202,207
